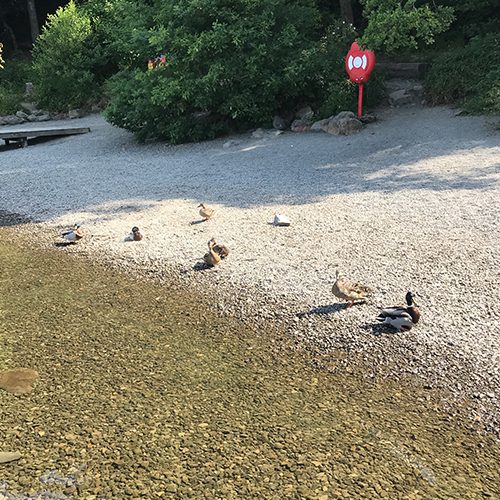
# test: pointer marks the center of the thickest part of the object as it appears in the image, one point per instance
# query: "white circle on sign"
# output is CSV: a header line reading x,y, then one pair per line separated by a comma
x,y
358,62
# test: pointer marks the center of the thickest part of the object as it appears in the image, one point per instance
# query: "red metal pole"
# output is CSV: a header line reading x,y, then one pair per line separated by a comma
x,y
360,100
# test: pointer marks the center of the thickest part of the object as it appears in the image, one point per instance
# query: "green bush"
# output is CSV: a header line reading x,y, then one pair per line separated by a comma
x,y
394,24
81,46
468,76
230,65
12,84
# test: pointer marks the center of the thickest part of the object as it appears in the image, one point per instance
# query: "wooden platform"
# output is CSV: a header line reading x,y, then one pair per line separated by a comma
x,y
22,136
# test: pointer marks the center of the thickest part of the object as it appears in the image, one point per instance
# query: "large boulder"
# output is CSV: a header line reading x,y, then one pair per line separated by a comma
x,y
345,123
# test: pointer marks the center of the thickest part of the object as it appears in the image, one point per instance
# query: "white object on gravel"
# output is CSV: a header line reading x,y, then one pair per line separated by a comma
x,y
281,220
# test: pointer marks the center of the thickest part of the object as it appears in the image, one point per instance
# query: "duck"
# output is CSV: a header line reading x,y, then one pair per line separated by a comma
x,y
205,212
211,258
73,235
350,291
136,234
402,318
222,250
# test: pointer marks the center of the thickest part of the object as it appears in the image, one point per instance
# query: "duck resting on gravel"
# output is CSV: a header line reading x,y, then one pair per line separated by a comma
x,y
350,291
135,234
211,258
402,318
73,235
222,250
205,212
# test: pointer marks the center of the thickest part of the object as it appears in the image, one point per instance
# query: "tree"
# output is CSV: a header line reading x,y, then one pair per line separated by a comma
x,y
399,24
346,12
33,17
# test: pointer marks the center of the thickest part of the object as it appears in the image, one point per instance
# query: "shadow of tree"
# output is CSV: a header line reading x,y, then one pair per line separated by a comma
x,y
13,219
412,150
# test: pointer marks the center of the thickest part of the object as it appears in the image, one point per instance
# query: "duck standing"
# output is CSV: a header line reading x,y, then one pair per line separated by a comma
x,y
205,212
350,291
402,318
73,235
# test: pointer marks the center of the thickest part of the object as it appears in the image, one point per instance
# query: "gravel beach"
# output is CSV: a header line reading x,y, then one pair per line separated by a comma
x,y
409,203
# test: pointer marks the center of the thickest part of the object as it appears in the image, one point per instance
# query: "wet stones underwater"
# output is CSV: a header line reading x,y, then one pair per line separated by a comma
x,y
142,392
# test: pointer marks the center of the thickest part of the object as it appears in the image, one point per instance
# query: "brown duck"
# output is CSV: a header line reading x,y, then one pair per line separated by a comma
x,y
211,258
350,291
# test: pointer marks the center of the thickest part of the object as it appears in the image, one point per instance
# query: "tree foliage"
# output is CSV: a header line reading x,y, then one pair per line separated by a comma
x,y
81,46
400,24
469,76
230,64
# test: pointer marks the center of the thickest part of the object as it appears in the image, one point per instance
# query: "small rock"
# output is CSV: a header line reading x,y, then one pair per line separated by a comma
x,y
230,144
258,134
345,123
11,120
22,114
29,107
7,456
300,126
42,118
74,113
18,381
305,114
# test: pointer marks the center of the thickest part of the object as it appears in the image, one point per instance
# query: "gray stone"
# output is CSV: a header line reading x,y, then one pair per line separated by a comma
x,y
22,114
11,120
258,133
300,126
281,123
74,113
345,123
29,107
42,118
305,113
230,144
320,125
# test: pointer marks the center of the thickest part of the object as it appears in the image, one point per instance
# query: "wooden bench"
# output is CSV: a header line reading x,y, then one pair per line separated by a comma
x,y
22,136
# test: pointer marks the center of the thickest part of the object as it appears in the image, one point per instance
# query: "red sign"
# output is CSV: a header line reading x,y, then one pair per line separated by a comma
x,y
359,63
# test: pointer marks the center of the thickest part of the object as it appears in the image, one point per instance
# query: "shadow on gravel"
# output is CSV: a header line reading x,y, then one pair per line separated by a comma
x,y
323,310
12,219
426,149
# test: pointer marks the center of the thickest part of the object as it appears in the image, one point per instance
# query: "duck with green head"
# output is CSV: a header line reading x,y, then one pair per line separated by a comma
x,y
402,318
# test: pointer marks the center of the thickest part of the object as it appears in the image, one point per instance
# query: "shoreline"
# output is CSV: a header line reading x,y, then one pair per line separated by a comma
x,y
454,383
409,203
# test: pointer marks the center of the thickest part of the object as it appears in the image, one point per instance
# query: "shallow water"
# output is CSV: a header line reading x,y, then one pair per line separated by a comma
x,y
144,393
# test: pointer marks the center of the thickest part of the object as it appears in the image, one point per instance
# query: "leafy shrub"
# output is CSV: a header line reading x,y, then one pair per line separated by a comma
x,y
12,79
230,65
394,25
83,45
469,76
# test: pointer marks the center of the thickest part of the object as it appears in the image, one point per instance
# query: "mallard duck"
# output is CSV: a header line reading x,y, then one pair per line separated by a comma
x,y
211,258
401,318
205,212
73,235
349,290
222,250
136,234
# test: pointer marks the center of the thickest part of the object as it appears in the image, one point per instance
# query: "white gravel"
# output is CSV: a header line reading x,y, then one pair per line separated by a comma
x,y
411,202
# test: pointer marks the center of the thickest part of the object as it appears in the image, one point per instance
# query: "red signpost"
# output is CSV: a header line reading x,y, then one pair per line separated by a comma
x,y
359,65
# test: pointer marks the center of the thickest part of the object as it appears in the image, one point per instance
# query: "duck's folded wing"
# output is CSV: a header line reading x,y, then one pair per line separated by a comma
x,y
393,312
